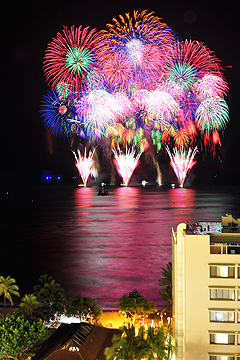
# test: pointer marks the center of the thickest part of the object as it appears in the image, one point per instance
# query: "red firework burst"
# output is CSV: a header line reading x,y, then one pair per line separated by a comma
x,y
116,69
72,58
196,60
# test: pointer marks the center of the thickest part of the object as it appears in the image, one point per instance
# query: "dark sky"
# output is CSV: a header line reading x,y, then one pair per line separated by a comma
x,y
27,28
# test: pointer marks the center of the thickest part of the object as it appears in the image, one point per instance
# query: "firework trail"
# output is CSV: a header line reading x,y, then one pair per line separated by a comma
x,y
84,164
126,163
182,161
156,164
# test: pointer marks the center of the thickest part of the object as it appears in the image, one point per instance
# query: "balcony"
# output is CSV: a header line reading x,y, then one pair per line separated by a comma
x,y
229,249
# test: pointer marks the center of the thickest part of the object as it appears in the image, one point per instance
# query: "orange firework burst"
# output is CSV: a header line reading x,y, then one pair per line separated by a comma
x,y
181,138
144,40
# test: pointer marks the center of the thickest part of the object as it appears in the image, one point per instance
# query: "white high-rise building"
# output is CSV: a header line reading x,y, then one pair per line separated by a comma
x,y
206,290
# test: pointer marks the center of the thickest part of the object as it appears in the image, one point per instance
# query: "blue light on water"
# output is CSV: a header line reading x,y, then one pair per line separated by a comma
x,y
48,177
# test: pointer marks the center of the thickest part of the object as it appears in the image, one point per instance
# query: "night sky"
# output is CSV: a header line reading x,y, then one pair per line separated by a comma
x,y
27,28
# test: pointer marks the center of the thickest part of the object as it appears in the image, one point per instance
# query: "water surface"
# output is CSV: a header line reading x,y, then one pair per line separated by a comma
x,y
104,246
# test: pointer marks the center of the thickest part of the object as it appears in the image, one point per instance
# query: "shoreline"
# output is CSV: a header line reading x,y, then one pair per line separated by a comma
x,y
110,318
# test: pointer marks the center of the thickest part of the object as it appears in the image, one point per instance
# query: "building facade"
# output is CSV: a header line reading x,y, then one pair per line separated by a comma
x,y
206,290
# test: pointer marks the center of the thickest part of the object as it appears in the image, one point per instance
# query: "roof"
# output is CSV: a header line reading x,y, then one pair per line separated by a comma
x,y
225,239
77,341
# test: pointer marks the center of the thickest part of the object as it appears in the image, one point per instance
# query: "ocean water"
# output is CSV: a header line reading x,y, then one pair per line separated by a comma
x,y
102,246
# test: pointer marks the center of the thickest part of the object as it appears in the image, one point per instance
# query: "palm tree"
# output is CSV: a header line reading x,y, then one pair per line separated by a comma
x,y
126,346
167,273
166,291
53,294
157,344
28,304
42,280
8,288
50,295
167,295
49,291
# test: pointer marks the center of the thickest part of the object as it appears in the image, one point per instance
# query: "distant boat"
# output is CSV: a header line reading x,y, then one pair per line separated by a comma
x,y
102,191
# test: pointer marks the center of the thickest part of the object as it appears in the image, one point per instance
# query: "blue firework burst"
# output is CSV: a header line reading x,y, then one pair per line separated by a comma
x,y
58,114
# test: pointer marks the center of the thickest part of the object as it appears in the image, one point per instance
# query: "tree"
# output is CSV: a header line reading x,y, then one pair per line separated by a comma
x,y
135,304
51,297
82,307
28,306
18,334
157,344
8,288
166,291
167,273
42,280
126,346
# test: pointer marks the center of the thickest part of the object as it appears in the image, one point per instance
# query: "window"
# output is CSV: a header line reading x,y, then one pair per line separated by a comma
x,y
222,316
221,357
218,249
222,271
222,294
224,249
222,338
238,271
233,249
238,316
238,294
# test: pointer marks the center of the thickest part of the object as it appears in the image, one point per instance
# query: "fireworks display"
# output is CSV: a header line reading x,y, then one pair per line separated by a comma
x,y
126,163
84,164
135,86
57,111
182,161
72,58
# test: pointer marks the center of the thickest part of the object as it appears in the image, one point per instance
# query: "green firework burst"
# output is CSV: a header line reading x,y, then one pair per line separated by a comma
x,y
183,74
79,60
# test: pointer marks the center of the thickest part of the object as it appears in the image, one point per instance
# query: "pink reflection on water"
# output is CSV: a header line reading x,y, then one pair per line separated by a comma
x,y
182,198
127,197
84,197
182,203
120,242
114,245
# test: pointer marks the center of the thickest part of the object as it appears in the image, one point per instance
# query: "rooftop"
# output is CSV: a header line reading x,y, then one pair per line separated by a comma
x,y
228,225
